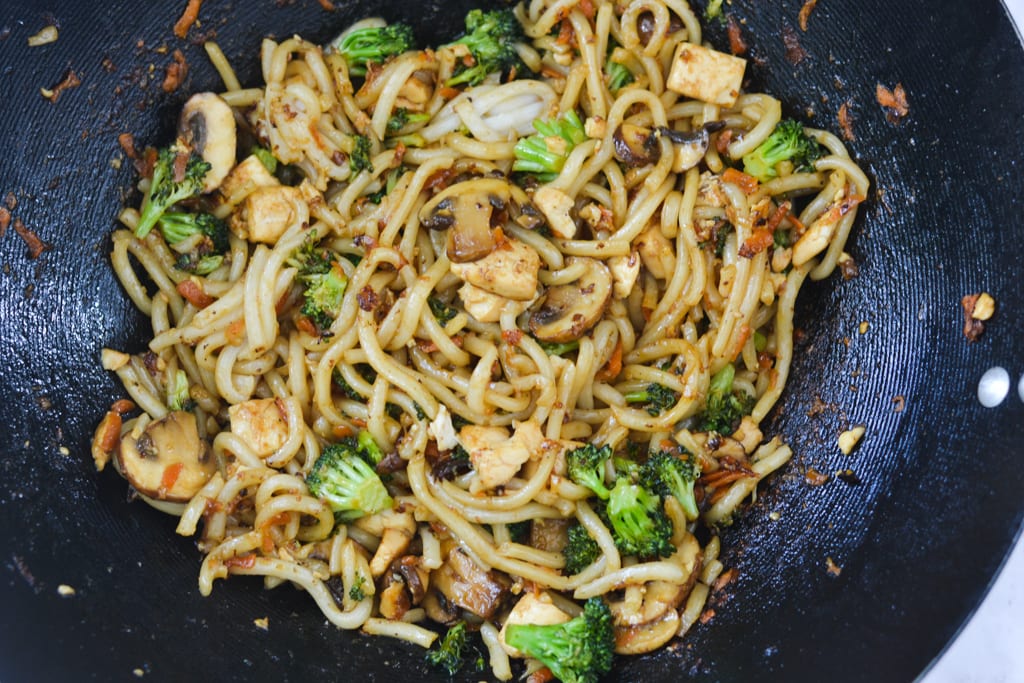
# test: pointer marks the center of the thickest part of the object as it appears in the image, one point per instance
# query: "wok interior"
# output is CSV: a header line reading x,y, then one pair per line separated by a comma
x,y
917,540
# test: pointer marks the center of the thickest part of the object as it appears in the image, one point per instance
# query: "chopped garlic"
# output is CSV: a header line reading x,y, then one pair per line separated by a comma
x,y
863,327
48,34
114,360
849,439
984,307
263,624
65,591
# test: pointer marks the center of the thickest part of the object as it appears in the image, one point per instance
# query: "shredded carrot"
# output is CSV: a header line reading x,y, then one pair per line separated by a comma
x,y
109,432
894,101
327,5
342,431
242,562
194,294
127,142
122,406
235,332
613,367
763,237
737,45
744,336
188,17
171,474
565,33
746,182
805,13
541,676
587,7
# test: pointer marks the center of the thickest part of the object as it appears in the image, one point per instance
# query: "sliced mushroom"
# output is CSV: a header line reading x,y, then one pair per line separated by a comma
x,y
439,608
417,578
467,209
395,600
398,532
549,534
636,145
207,125
508,270
467,585
690,147
568,311
168,461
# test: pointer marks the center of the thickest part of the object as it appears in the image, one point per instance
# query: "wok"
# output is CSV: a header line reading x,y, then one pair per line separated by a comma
x,y
938,502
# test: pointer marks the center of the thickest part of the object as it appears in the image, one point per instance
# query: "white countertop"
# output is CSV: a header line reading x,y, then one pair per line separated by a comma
x,y
990,648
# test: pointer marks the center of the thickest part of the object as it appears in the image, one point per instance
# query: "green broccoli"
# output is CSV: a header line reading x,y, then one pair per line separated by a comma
x,y
581,550
402,117
787,141
586,467
639,524
164,191
347,482
266,157
442,311
207,253
369,448
725,407
544,153
491,37
577,651
389,184
668,474
359,157
178,397
323,280
617,74
448,653
559,348
374,44
714,11
657,397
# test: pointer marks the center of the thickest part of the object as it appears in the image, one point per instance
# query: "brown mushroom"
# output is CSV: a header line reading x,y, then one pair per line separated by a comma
x,y
168,461
568,311
690,147
207,126
417,579
467,585
467,210
636,145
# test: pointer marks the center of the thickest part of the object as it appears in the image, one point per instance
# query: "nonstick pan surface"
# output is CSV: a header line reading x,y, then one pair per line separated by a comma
x,y
918,532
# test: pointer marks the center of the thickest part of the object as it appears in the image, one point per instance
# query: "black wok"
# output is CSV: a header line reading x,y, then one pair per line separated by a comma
x,y
938,502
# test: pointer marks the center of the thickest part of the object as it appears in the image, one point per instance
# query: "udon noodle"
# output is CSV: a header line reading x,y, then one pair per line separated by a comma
x,y
476,370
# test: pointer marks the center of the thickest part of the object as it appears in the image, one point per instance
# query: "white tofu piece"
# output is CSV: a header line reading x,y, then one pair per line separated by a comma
x,y
442,430
267,213
625,270
249,175
531,609
260,424
707,75
509,271
486,307
555,205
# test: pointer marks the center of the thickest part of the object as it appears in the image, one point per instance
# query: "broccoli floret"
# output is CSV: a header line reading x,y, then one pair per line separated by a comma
x,y
359,157
164,191
323,280
577,651
545,152
369,448
178,397
657,397
581,550
207,253
586,467
787,141
347,482
402,117
491,37
266,157
725,407
639,523
442,311
389,184
714,11
559,348
668,474
374,44
448,653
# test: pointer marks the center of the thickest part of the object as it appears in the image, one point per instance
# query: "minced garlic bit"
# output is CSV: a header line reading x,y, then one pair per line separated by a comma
x,y
64,450
984,307
138,673
65,591
775,515
864,327
832,568
48,34
263,623
849,439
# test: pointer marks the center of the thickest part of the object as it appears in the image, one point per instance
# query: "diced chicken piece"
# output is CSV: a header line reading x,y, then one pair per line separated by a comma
x,y
442,430
595,127
707,75
246,177
496,457
509,271
266,213
849,439
464,583
531,609
414,94
820,232
260,424
710,191
625,271
555,205
748,434
486,307
392,544
657,252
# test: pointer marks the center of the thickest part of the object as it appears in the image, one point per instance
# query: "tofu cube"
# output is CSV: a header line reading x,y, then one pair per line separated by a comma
x,y
707,75
267,213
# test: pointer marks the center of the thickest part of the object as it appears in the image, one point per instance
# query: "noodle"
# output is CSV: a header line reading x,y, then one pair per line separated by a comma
x,y
492,321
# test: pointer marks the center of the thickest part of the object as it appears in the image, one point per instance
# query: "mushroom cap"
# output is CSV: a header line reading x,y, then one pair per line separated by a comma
x,y
569,310
168,461
207,126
